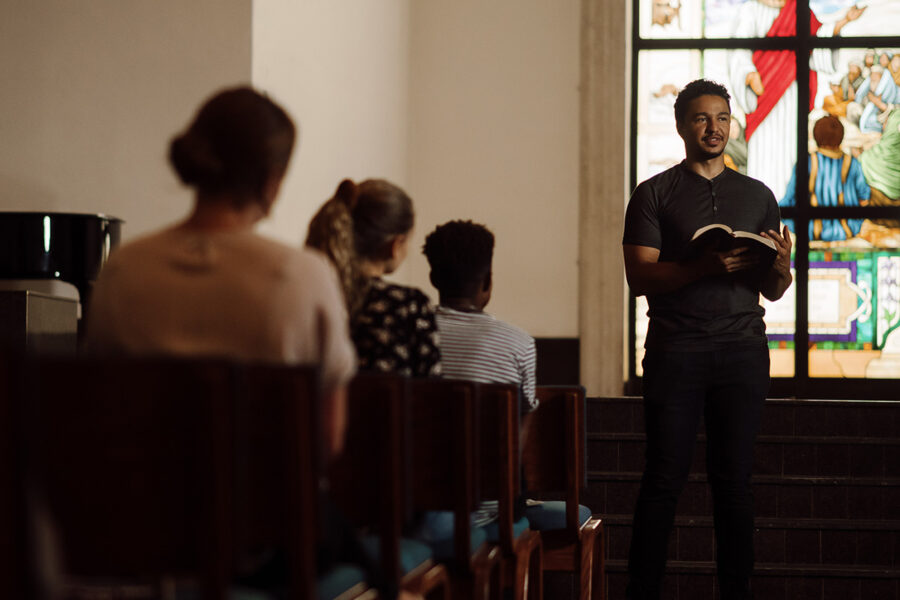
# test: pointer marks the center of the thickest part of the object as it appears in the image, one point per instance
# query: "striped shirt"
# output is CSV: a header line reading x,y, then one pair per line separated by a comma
x,y
479,347
476,346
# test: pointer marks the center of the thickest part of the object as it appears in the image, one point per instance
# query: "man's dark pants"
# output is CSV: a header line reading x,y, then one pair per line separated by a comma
x,y
729,387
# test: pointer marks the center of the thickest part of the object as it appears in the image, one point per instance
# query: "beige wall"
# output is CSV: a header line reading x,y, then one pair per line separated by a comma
x,y
341,68
94,90
494,138
472,106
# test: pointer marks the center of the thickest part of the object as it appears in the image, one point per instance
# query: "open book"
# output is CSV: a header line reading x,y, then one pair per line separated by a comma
x,y
721,238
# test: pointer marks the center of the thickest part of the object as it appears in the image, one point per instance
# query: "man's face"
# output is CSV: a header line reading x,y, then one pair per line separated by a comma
x,y
883,60
854,72
705,128
876,79
895,63
870,59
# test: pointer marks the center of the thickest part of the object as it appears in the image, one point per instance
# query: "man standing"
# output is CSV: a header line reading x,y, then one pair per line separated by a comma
x,y
706,351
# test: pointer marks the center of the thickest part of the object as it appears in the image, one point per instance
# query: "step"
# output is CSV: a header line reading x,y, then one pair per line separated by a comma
x,y
860,543
786,417
696,581
797,497
770,569
773,454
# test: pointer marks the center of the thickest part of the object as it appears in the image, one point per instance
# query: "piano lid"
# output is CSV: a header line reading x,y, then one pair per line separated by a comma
x,y
71,247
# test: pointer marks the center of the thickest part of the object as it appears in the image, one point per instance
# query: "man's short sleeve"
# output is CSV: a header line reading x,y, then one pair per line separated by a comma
x,y
527,364
642,218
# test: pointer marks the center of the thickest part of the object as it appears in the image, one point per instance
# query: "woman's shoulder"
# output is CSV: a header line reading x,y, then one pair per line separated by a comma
x,y
144,247
268,252
146,241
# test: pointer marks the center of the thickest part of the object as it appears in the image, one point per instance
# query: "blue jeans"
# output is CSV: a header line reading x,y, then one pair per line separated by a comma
x,y
728,387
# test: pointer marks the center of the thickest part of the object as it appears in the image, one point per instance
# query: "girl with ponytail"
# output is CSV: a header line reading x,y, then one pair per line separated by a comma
x,y
364,230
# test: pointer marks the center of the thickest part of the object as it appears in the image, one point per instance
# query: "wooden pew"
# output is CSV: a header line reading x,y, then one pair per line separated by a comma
x,y
278,464
128,462
370,483
444,459
553,458
157,470
12,503
499,477
281,481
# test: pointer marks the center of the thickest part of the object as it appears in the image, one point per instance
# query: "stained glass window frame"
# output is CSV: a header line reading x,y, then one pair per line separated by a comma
x,y
801,384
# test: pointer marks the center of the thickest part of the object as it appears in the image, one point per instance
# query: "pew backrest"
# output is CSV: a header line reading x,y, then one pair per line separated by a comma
x,y
499,459
13,541
368,481
278,469
553,446
129,461
443,453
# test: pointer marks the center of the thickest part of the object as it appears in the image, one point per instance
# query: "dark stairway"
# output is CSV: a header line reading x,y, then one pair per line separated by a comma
x,y
827,494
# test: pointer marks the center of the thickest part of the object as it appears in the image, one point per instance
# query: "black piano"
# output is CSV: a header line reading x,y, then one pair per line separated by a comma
x,y
70,247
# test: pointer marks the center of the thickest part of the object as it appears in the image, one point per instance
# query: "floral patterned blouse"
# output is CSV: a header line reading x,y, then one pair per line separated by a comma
x,y
395,331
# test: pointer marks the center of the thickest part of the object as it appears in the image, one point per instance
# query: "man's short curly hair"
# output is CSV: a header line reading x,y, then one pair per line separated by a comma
x,y
460,255
695,89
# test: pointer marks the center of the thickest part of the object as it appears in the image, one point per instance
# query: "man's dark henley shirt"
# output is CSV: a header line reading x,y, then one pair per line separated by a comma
x,y
663,213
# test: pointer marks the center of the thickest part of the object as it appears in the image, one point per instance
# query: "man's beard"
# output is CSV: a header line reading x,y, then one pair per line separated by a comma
x,y
706,155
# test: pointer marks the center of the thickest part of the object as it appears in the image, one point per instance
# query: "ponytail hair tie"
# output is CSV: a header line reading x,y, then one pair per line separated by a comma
x,y
347,193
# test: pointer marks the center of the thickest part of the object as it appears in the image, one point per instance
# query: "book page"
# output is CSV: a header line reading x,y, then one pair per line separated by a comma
x,y
703,230
758,238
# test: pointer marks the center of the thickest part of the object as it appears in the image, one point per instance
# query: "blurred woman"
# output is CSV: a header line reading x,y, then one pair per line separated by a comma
x,y
209,285
365,229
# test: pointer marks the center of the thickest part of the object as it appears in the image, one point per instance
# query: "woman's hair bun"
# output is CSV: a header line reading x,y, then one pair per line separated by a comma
x,y
237,141
194,160
347,192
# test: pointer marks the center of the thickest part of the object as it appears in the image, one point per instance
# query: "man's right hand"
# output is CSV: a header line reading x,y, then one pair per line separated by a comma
x,y
647,276
720,263
854,12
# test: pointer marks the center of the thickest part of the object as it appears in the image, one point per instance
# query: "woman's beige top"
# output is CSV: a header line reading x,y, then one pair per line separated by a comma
x,y
234,295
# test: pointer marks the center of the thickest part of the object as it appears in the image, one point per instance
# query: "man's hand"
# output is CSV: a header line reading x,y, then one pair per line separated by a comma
x,y
779,277
783,244
647,276
755,82
854,12
877,101
731,261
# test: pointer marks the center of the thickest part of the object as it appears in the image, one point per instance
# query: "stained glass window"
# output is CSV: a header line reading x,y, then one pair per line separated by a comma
x,y
854,161
848,206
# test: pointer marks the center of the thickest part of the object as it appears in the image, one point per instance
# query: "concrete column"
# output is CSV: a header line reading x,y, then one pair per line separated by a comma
x,y
603,191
